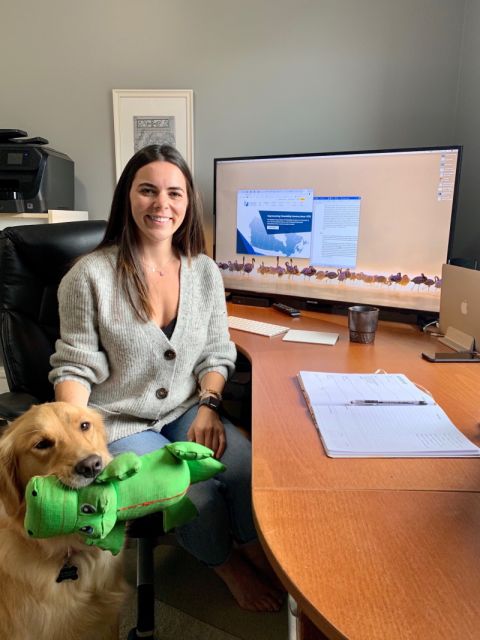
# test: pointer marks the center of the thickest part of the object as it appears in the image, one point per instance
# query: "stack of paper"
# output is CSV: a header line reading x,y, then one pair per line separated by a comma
x,y
315,337
380,415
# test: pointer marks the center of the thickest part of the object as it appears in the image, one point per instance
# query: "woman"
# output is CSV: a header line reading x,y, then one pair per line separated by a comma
x,y
144,340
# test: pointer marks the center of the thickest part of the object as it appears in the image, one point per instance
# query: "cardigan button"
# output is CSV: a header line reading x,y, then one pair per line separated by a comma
x,y
161,393
169,354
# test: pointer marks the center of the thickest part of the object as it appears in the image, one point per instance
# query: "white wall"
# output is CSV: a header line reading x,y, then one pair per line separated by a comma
x,y
269,76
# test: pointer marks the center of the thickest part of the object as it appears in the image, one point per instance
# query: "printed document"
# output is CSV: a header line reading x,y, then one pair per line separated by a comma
x,y
380,415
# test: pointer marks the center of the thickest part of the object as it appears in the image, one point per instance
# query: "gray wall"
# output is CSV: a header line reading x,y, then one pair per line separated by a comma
x,y
467,132
269,76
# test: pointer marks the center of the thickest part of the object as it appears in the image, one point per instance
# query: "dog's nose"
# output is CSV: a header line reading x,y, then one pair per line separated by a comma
x,y
89,467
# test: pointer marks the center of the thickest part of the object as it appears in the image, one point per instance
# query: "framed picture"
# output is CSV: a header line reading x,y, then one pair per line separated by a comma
x,y
143,117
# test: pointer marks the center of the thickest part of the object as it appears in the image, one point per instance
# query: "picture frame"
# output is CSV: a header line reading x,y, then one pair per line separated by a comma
x,y
152,116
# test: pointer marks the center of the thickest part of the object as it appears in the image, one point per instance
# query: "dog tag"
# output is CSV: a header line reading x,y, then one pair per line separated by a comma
x,y
68,572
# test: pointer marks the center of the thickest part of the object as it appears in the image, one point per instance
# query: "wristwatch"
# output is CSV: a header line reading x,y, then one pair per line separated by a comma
x,y
211,402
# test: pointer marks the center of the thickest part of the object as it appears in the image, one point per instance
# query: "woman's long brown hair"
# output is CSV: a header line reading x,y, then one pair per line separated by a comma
x,y
122,231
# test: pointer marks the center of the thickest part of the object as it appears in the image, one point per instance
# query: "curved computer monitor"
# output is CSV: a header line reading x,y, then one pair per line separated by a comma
x,y
369,227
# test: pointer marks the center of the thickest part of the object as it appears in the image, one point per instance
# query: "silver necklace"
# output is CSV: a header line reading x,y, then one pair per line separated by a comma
x,y
159,270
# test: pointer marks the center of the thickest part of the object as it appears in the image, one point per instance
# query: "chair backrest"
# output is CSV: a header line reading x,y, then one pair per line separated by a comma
x,y
33,260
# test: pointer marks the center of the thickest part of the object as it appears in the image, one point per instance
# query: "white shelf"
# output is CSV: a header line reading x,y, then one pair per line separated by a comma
x,y
50,217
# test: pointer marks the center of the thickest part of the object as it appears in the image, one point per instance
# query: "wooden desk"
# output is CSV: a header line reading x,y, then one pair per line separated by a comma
x,y
370,548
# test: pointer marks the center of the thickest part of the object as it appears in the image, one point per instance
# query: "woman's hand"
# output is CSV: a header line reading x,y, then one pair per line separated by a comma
x,y
207,429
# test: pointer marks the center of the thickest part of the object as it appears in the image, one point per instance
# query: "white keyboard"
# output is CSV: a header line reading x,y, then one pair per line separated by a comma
x,y
254,326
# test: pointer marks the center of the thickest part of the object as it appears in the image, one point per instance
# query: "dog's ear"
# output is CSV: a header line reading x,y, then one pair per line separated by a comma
x,y
11,493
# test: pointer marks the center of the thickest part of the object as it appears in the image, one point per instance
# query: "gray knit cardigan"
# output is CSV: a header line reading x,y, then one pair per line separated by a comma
x,y
136,376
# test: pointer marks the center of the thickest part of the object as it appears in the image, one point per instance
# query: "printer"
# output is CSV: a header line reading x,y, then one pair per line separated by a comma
x,y
33,177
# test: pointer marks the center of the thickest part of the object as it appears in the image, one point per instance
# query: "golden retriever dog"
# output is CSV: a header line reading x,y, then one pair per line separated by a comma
x,y
56,588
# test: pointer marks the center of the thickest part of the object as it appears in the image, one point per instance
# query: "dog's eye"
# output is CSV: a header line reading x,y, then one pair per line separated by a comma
x,y
85,426
44,444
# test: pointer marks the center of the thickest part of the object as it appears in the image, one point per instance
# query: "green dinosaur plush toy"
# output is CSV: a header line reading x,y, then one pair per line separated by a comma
x,y
129,487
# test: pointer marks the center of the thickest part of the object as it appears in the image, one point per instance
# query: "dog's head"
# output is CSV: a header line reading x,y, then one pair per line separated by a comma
x,y
51,439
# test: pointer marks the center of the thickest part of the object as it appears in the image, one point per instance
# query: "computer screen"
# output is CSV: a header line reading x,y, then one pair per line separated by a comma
x,y
369,227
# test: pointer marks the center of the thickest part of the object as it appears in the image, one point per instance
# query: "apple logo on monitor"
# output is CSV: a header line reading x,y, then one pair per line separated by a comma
x,y
464,307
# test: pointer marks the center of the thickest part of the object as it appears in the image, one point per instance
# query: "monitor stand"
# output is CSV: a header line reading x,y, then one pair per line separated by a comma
x,y
457,340
253,301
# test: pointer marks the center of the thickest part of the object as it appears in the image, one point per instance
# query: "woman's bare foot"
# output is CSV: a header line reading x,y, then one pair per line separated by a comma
x,y
254,553
248,589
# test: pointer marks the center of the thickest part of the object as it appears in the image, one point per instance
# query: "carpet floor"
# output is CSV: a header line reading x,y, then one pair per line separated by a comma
x,y
192,603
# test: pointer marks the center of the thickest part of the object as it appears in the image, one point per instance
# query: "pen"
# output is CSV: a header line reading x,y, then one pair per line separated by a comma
x,y
388,402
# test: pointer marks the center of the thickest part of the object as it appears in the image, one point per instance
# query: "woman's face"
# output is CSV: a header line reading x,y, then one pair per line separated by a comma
x,y
159,201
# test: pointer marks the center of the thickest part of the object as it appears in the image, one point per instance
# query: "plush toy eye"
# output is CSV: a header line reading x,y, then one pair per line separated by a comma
x,y
45,443
87,529
85,426
88,508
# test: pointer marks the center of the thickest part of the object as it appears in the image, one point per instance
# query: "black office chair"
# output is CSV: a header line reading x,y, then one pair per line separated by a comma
x,y
33,260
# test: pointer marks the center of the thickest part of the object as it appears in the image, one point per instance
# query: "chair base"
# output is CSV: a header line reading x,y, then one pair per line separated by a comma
x,y
145,628
133,636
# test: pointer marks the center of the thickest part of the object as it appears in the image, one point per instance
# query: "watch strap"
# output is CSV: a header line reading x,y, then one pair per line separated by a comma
x,y
212,402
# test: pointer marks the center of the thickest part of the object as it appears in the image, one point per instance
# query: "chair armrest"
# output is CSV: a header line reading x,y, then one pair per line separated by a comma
x,y
12,405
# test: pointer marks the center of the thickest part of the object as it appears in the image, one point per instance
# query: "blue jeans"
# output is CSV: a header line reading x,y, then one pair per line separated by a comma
x,y
224,502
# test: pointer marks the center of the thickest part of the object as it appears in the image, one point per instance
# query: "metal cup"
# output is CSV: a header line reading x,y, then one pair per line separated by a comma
x,y
362,323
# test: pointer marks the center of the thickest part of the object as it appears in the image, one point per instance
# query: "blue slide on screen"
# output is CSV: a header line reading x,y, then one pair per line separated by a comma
x,y
275,222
